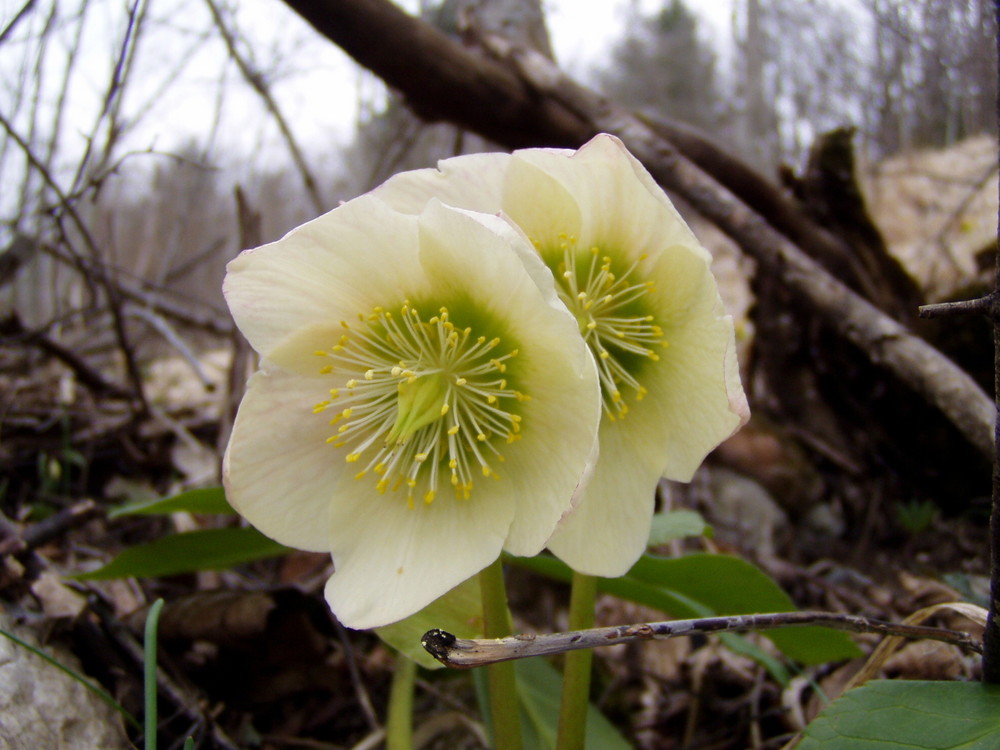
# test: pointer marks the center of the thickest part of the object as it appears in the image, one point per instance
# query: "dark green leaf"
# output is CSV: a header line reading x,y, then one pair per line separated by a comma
x,y
905,715
207,549
207,500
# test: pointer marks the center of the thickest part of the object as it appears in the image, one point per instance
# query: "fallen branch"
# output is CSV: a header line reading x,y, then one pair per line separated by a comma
x,y
463,653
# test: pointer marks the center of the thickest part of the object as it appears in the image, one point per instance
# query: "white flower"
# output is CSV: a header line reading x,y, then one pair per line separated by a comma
x,y
423,401
641,288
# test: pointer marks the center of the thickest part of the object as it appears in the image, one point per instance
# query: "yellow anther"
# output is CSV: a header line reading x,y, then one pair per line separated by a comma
x,y
420,457
461,381
481,437
352,457
453,430
361,474
369,374
429,497
444,409
326,369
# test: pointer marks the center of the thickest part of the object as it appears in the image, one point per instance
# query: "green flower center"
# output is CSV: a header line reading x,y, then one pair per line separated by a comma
x,y
610,305
423,402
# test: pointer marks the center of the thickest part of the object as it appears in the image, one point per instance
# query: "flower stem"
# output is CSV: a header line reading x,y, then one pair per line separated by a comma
x,y
502,683
399,723
576,668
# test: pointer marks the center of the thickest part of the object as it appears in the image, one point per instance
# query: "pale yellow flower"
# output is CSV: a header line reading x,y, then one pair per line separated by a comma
x,y
423,403
641,288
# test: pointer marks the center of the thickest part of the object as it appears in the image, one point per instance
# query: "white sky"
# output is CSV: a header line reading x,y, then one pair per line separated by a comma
x,y
178,82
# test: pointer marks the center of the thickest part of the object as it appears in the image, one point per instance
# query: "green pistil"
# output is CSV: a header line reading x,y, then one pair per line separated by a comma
x,y
611,312
420,402
424,403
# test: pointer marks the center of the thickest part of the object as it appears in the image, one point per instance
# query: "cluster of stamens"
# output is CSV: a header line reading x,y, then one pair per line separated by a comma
x,y
423,402
604,305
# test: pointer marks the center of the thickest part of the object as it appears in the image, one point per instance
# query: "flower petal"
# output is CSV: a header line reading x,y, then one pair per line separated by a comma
x,y
289,470
278,470
557,370
602,197
473,182
619,204
392,561
330,268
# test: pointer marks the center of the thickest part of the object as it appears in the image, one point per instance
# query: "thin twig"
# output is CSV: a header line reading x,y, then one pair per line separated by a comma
x,y
256,81
978,306
103,279
84,373
463,653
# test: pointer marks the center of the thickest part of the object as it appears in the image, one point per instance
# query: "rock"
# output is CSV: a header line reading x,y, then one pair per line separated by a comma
x,y
43,707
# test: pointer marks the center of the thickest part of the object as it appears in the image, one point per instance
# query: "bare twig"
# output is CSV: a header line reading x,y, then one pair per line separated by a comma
x,y
102,278
87,375
256,81
47,530
463,653
18,17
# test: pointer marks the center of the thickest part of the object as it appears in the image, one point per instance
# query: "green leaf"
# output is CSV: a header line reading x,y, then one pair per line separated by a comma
x,y
207,549
909,715
732,586
207,500
704,585
459,612
676,524
539,686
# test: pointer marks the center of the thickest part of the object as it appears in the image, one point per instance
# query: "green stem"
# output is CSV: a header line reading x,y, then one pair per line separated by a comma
x,y
399,726
576,669
149,672
502,682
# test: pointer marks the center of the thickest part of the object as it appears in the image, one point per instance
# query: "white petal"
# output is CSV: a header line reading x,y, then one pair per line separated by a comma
x,y
695,400
325,271
559,432
392,561
621,206
609,529
278,469
473,182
